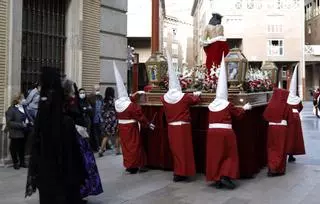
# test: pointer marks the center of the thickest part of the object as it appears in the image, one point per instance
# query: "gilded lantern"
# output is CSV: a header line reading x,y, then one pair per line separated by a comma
x,y
157,67
271,69
236,65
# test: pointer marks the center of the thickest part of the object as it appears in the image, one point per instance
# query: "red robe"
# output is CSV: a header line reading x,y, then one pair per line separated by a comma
x,y
130,139
276,111
295,143
222,150
214,53
180,136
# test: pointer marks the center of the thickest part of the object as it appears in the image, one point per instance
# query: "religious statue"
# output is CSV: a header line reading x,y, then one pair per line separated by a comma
x,y
213,42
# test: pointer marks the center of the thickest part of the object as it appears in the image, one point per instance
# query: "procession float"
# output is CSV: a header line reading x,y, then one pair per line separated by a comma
x,y
246,85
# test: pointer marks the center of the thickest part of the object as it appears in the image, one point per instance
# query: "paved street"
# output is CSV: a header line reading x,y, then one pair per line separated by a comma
x,y
301,185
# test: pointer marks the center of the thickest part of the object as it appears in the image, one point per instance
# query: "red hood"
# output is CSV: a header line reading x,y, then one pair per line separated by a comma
x,y
276,106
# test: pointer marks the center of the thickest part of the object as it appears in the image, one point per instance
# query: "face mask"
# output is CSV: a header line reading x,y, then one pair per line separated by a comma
x,y
97,92
82,96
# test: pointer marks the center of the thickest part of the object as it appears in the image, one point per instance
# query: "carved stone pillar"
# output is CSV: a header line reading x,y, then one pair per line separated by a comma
x,y
73,48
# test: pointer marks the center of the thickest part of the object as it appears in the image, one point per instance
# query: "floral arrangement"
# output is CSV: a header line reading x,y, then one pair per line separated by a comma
x,y
206,81
198,79
257,81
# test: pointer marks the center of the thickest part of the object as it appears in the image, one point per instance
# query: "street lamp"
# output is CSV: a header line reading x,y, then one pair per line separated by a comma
x,y
157,67
237,65
272,71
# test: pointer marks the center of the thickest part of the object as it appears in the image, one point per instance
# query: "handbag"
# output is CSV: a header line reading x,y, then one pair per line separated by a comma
x,y
82,131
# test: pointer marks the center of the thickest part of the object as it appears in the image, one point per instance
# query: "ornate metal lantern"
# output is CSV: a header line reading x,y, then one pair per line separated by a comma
x,y
236,64
271,69
157,67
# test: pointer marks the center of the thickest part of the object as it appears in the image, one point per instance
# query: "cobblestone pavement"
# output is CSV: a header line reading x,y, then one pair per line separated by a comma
x,y
301,184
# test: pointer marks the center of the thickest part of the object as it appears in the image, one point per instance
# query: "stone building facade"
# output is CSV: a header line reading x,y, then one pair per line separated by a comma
x,y
177,37
312,41
265,30
79,37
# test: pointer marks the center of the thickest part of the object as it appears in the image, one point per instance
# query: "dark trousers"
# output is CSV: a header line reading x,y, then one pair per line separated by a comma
x,y
95,137
17,150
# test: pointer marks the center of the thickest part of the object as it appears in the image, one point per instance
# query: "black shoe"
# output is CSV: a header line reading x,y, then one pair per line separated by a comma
x,y
83,201
23,165
226,181
16,166
291,159
132,170
143,170
100,154
218,185
270,174
177,178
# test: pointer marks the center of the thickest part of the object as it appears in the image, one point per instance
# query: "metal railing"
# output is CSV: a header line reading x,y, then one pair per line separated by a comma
x,y
43,38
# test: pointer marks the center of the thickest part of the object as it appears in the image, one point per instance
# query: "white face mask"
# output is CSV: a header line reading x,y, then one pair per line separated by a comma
x,y
82,95
97,92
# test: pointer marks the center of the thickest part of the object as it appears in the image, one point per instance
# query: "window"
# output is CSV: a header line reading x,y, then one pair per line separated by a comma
x,y
165,31
275,47
284,74
175,49
274,28
275,23
309,29
164,45
43,38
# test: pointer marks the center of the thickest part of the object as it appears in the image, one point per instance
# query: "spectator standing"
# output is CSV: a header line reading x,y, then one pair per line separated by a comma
x,y
32,101
86,108
96,102
56,166
110,121
17,125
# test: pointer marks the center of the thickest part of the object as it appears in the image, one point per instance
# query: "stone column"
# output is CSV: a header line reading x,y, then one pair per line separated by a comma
x,y
155,26
15,44
303,93
315,76
14,66
73,48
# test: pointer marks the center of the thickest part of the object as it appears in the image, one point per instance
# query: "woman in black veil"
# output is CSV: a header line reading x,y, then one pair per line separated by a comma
x,y
56,167
92,183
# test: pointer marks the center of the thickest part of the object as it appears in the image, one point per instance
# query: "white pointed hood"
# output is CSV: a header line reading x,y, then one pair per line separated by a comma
x,y
293,99
123,101
221,100
174,94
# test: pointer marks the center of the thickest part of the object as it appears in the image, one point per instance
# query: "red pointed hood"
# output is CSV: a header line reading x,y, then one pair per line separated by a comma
x,y
276,106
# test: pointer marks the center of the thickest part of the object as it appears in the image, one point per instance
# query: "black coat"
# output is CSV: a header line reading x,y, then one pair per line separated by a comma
x,y
86,111
14,120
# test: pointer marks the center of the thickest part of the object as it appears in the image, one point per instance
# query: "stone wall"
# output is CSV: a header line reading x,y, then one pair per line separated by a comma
x,y
4,8
113,40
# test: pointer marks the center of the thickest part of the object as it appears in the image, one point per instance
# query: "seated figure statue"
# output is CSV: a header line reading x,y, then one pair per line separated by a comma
x,y
213,42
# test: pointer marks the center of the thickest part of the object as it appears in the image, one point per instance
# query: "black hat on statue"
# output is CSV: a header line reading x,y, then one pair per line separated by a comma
x,y
215,19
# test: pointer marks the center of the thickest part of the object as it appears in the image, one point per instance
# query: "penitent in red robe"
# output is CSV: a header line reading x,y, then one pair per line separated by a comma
x,y
277,111
180,136
222,150
214,53
295,142
131,142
